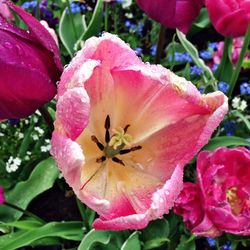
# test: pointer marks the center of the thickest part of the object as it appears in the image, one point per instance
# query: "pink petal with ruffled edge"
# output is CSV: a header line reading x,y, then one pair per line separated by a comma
x,y
113,79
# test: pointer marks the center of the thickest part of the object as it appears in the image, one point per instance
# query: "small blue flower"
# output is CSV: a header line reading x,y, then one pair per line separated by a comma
x,y
127,24
187,57
212,46
153,50
227,246
223,87
230,127
245,88
138,51
206,55
202,89
13,122
76,7
211,242
195,71
215,67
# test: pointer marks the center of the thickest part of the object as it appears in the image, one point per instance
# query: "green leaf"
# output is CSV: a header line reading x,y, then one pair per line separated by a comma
x,y
156,234
66,230
190,48
186,242
25,224
95,24
132,242
201,22
94,237
226,141
41,179
66,31
242,117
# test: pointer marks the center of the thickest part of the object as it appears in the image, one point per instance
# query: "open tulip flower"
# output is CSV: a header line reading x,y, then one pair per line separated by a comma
x,y
30,66
124,131
220,201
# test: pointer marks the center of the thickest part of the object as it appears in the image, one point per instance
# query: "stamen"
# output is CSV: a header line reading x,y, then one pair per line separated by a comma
x,y
101,159
126,128
126,151
95,140
117,160
107,127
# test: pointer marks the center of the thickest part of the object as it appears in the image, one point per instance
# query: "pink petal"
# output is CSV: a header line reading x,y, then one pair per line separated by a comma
x,y
162,201
73,112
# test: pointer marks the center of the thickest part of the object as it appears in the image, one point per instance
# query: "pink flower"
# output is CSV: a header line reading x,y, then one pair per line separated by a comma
x,y
173,13
125,129
1,196
220,201
5,12
30,66
236,49
229,17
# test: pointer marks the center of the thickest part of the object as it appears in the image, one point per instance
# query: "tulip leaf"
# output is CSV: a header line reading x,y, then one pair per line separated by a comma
x,y
242,117
132,242
190,48
65,230
41,179
95,237
226,141
94,25
186,242
156,234
67,34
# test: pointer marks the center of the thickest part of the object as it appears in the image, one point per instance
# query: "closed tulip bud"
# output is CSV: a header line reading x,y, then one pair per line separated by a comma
x,y
230,18
30,66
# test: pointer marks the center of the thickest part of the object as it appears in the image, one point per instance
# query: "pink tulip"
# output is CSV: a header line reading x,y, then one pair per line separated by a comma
x,y
125,129
220,201
172,13
1,196
30,66
5,12
236,49
229,17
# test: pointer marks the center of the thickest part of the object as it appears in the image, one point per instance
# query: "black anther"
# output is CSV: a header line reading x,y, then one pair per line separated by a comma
x,y
95,140
126,151
117,160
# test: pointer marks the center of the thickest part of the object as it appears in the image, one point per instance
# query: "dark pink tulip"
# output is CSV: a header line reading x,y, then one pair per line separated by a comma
x,y
30,66
229,17
172,13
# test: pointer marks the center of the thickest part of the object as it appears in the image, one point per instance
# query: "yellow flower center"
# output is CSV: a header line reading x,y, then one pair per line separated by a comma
x,y
234,200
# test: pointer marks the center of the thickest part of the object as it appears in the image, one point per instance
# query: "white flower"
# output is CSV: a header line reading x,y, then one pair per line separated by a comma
x,y
3,126
239,104
39,130
126,4
20,135
1,134
35,137
129,15
45,148
13,164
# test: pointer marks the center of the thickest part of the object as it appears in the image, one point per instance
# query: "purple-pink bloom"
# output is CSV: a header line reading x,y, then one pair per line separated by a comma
x,y
124,131
172,13
5,12
220,201
2,199
30,66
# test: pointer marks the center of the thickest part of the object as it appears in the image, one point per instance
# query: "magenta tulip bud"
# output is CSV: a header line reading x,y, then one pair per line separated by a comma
x,y
30,66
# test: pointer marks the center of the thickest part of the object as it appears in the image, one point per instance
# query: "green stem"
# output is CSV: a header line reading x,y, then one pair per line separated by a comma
x,y
239,62
106,18
38,10
23,211
160,44
220,70
72,19
47,117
